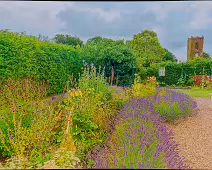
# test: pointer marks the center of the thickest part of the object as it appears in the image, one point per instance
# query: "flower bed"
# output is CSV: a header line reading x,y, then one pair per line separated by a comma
x,y
140,140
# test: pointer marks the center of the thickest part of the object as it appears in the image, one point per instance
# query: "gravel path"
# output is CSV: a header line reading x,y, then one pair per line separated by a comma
x,y
194,136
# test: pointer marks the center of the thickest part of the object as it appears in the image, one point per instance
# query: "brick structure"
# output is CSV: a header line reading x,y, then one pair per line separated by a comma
x,y
195,47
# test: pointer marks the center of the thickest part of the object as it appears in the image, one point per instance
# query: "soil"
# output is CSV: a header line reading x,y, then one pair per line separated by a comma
x,y
194,136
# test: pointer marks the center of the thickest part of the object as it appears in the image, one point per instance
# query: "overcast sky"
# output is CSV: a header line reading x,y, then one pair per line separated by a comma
x,y
173,21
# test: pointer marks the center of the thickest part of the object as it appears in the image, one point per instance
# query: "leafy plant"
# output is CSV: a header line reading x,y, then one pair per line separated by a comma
x,y
68,40
173,105
147,48
92,111
30,127
139,141
24,56
141,90
108,54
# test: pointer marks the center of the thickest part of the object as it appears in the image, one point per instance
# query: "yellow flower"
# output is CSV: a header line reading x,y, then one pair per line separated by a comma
x,y
80,93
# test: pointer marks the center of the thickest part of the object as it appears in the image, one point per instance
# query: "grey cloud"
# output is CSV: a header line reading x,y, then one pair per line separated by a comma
x,y
173,20
32,17
107,6
86,23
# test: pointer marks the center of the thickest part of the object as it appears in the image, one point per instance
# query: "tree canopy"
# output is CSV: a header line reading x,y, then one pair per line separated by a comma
x,y
169,56
206,55
68,40
147,48
109,53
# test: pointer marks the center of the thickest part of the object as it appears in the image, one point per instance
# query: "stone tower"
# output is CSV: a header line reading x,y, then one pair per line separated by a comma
x,y
195,47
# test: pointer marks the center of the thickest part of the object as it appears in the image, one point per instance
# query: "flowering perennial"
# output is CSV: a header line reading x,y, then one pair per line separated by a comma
x,y
140,140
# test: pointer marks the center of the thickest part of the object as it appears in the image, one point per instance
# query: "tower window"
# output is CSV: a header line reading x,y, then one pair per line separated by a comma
x,y
197,46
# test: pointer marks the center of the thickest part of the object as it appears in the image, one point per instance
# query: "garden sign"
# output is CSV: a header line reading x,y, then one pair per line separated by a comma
x,y
162,71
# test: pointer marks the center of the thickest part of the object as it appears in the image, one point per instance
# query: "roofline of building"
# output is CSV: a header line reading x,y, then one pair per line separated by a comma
x,y
196,37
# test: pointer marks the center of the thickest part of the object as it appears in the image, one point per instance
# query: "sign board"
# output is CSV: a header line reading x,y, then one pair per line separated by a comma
x,y
162,71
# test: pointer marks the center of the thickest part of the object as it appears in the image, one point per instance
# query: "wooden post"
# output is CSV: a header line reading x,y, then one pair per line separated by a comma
x,y
112,75
133,74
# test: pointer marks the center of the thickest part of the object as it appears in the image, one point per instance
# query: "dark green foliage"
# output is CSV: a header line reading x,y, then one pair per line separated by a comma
x,y
43,38
147,48
173,73
206,55
25,56
68,40
169,56
200,66
180,74
107,53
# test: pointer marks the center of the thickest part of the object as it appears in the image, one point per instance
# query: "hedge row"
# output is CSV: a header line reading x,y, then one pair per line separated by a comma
x,y
25,56
175,71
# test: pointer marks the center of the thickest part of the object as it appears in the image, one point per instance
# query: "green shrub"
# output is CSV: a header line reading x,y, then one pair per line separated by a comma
x,y
179,74
92,110
24,56
146,89
30,127
172,105
106,53
172,74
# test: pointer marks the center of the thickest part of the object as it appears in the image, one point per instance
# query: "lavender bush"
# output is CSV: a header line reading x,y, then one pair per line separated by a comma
x,y
140,140
172,105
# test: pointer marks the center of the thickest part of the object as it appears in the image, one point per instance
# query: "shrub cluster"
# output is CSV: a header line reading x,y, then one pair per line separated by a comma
x,y
140,139
36,131
172,105
39,132
92,110
145,89
24,56
180,74
31,130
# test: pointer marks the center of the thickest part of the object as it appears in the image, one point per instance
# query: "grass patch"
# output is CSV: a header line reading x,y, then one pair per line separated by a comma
x,y
198,93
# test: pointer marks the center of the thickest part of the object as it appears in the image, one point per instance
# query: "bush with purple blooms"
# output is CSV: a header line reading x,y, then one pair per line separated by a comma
x,y
172,105
140,140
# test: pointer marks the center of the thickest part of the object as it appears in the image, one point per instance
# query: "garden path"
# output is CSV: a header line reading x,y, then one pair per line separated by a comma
x,y
194,136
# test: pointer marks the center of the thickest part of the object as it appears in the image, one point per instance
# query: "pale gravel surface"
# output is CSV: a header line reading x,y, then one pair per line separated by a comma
x,y
194,136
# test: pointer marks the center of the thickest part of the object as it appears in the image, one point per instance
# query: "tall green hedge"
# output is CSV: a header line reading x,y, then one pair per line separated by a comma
x,y
25,56
175,71
172,74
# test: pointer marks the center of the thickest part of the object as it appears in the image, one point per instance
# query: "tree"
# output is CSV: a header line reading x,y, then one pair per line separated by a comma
x,y
147,48
68,40
129,43
206,55
95,40
43,38
169,56
111,54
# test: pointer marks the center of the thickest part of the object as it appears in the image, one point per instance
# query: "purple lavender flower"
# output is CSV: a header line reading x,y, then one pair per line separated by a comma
x,y
144,110
53,98
123,166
